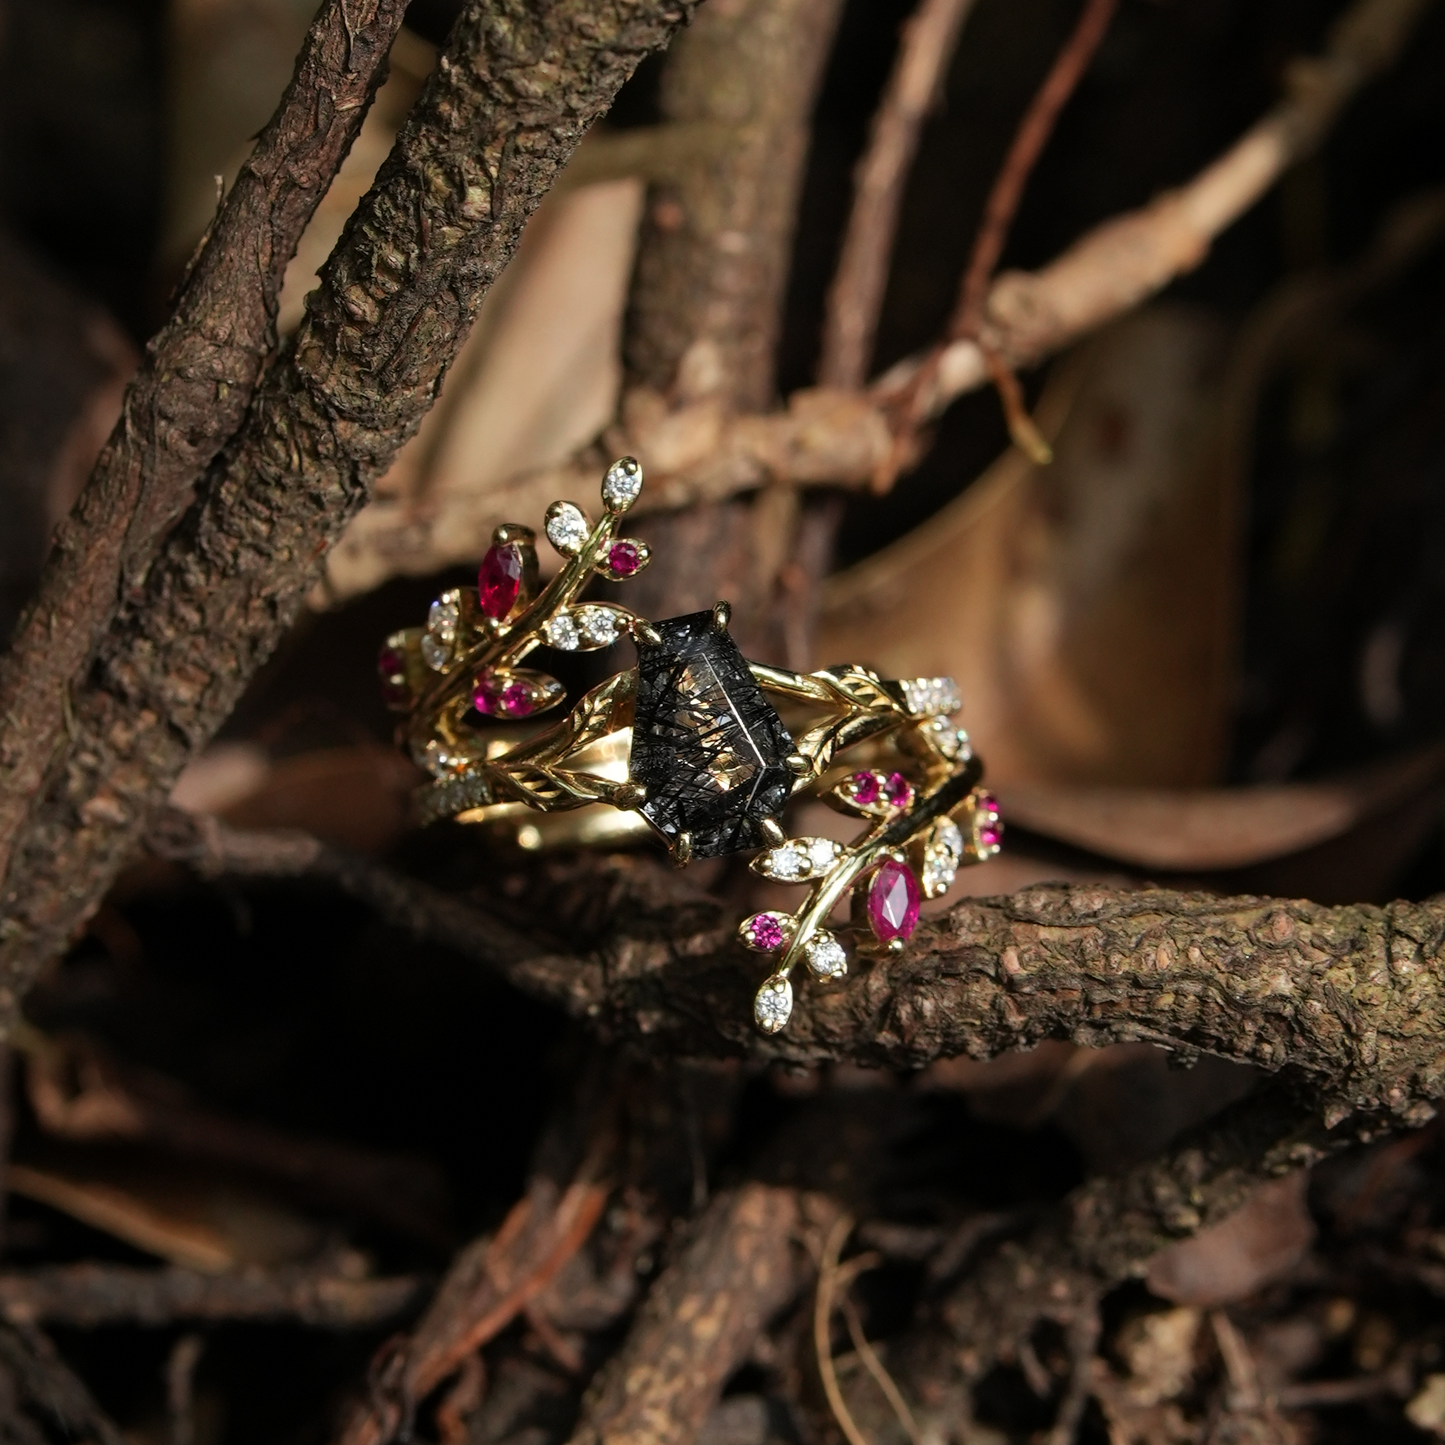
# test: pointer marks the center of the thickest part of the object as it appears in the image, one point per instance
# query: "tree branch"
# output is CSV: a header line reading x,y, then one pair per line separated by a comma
x,y
506,106
702,452
925,49
191,393
86,1296
1349,1000
741,1264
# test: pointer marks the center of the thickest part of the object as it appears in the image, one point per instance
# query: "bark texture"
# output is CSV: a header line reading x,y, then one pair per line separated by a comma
x,y
707,301
85,1296
191,392
1348,999
701,1318
517,88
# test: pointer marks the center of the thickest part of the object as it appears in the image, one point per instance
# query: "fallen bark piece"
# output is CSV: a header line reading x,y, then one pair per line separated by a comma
x,y
86,1296
741,1265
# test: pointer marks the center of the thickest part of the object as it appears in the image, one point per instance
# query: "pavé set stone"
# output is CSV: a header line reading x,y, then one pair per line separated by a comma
x,y
689,746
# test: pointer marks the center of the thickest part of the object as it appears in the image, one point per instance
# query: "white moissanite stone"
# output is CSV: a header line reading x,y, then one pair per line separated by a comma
x,y
434,651
567,527
941,857
788,863
773,1006
952,742
443,619
599,626
561,632
826,956
822,854
926,696
622,484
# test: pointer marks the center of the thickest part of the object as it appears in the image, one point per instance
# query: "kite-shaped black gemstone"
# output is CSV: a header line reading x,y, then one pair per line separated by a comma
x,y
706,744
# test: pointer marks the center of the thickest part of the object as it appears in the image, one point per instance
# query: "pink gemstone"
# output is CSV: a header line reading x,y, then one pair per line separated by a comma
x,y
500,579
893,901
898,790
990,836
391,665
487,695
516,699
624,558
864,788
987,803
767,932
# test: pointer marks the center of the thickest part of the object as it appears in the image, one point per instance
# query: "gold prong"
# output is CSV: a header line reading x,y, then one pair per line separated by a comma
x,y
682,850
513,532
798,765
645,633
772,832
722,614
629,796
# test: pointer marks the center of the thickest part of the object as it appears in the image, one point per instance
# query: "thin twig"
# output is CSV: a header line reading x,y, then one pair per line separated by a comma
x,y
1023,155
878,1370
855,298
833,437
822,1322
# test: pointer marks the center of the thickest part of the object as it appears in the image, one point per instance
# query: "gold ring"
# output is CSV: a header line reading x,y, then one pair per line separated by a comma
x,y
695,745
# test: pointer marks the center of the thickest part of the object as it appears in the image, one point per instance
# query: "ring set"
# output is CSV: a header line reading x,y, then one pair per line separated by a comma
x,y
695,745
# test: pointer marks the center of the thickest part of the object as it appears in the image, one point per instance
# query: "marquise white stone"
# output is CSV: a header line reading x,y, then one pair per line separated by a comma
x,y
567,527
621,485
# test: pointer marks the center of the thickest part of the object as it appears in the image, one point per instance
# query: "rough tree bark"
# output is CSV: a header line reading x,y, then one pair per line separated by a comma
x,y
191,393
739,1267
707,304
516,90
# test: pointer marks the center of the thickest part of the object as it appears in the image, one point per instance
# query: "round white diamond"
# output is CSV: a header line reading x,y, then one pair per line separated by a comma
x,y
443,619
941,858
599,626
821,853
622,484
826,956
567,527
773,1006
434,651
561,632
789,863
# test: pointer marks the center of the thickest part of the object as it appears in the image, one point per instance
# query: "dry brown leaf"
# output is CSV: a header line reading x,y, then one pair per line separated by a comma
x,y
1260,1242
358,796
229,61
1085,607
1220,827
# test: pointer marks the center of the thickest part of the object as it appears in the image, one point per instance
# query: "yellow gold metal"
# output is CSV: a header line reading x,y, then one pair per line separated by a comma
x,y
537,786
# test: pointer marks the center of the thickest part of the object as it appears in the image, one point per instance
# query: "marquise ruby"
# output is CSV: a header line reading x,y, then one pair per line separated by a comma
x,y
893,901
500,579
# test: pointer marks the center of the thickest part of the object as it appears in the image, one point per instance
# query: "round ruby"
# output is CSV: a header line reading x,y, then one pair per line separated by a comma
x,y
624,558
767,932
987,803
487,695
893,901
864,788
516,699
991,834
500,579
898,790
391,664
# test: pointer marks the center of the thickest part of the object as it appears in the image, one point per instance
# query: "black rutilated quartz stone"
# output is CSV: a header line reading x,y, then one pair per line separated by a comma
x,y
706,744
